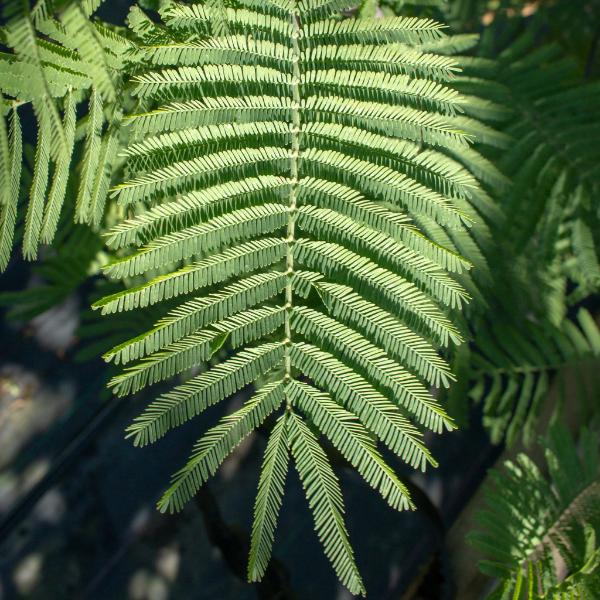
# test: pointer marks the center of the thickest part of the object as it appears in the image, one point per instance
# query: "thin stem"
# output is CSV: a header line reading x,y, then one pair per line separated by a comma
x,y
294,156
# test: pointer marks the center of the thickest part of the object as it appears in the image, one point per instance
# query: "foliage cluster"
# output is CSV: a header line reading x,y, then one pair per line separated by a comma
x,y
380,226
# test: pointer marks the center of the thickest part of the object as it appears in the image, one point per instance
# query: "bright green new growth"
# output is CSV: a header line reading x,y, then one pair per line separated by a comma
x,y
297,174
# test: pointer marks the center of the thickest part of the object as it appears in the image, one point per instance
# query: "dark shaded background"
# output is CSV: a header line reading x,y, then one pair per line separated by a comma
x,y
77,500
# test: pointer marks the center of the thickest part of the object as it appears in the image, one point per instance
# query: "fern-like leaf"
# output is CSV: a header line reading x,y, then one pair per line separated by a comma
x,y
11,155
325,500
536,528
217,444
56,55
269,498
299,197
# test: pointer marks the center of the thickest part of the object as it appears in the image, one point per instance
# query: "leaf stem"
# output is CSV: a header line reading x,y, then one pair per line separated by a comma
x,y
294,156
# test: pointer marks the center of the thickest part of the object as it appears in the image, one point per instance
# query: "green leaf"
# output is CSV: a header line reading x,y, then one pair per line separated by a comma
x,y
11,156
268,499
324,497
217,443
298,191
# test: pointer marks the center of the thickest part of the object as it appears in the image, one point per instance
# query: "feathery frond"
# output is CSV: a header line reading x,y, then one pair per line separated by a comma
x,y
217,443
291,175
544,253
324,497
11,156
56,55
353,440
269,499
537,528
515,363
